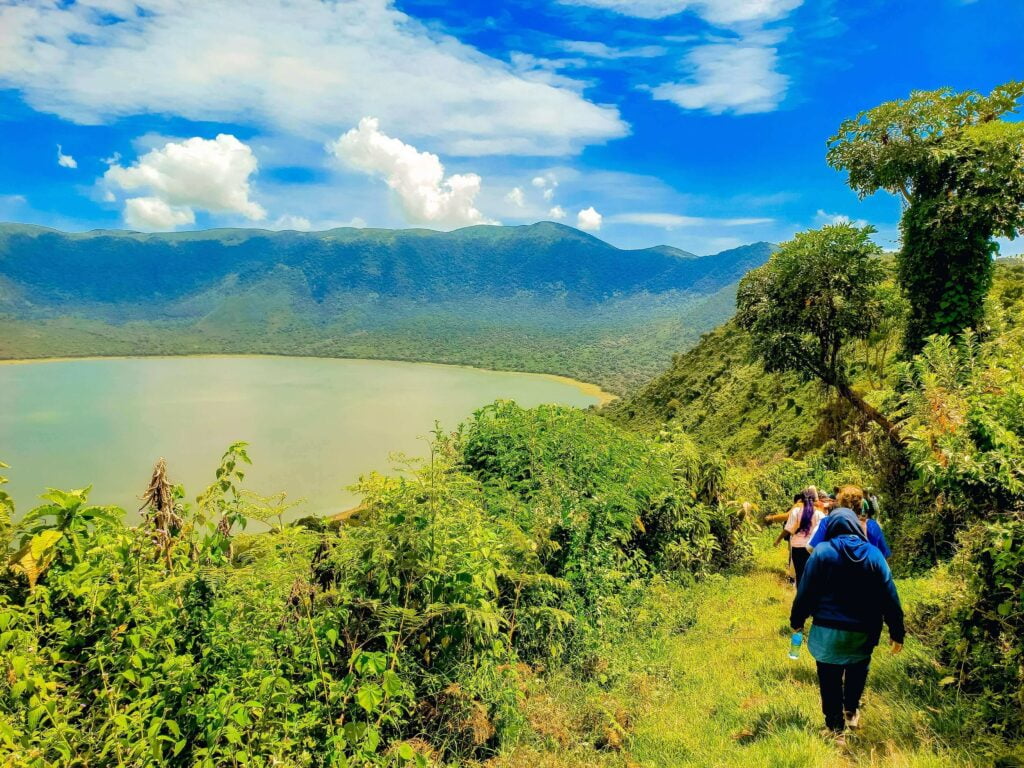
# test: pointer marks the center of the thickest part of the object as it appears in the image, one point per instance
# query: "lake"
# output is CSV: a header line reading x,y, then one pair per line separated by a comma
x,y
313,425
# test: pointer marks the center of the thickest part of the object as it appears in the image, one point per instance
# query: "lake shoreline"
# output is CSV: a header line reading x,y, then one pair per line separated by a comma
x,y
587,388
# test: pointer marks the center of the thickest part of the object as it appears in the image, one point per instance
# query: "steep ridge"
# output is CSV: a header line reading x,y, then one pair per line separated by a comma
x,y
115,266
544,297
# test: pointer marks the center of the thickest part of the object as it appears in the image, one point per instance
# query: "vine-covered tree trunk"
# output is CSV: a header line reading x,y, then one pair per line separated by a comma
x,y
945,272
857,401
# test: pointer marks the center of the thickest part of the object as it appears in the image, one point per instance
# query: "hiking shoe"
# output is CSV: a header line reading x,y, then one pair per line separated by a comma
x,y
853,719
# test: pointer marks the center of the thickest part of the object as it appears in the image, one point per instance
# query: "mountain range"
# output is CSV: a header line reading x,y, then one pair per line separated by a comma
x,y
543,297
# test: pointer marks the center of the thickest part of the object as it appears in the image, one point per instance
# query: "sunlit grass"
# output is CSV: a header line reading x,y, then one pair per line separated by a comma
x,y
723,692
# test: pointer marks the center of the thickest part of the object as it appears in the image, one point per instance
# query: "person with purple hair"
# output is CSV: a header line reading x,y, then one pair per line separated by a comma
x,y
802,523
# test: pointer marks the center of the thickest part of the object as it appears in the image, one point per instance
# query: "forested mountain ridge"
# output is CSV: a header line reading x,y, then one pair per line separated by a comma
x,y
543,297
117,266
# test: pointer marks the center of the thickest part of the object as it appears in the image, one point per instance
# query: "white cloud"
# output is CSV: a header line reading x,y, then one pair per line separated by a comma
x,y
589,220
739,76
675,221
516,197
546,184
210,174
823,218
598,50
557,213
288,221
719,12
154,213
417,178
65,161
295,66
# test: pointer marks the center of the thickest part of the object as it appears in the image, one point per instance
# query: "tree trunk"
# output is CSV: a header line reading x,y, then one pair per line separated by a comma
x,y
857,401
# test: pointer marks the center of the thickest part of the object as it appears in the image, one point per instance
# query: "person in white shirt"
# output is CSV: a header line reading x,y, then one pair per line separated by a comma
x,y
802,523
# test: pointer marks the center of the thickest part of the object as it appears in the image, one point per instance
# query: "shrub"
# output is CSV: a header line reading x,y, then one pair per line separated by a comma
x,y
180,641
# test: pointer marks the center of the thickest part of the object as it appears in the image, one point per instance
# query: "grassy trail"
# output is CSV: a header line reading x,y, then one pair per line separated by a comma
x,y
733,698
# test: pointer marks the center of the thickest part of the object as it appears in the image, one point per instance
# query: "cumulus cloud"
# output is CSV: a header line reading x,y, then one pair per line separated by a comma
x,y
424,193
209,174
719,12
295,66
516,197
823,218
153,213
65,161
557,213
589,220
546,184
737,76
675,221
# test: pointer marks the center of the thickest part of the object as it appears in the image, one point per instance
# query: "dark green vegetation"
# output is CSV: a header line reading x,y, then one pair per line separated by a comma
x,y
563,588
543,298
958,169
820,292
403,637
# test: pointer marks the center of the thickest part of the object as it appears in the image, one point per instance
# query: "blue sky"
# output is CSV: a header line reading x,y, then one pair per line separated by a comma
x,y
696,123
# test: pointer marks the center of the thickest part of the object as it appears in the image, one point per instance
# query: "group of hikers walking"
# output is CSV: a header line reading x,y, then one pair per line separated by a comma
x,y
843,582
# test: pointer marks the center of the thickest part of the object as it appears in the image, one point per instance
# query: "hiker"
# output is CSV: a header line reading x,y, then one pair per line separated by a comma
x,y
798,503
872,530
849,591
803,519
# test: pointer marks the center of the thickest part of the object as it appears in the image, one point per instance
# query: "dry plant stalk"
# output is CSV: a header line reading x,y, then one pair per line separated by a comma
x,y
159,511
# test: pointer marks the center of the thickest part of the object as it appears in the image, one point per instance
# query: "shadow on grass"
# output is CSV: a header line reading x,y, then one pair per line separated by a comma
x,y
770,722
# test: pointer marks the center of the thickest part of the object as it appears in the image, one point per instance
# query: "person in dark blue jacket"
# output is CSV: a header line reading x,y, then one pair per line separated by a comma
x,y
871,528
849,591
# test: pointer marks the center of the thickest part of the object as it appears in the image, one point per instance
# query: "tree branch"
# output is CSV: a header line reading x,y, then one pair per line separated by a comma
x,y
857,401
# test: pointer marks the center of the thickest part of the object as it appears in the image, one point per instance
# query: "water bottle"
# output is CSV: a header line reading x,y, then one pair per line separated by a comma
x,y
794,645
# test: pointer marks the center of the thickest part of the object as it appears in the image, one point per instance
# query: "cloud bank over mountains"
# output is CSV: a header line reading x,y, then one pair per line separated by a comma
x,y
298,66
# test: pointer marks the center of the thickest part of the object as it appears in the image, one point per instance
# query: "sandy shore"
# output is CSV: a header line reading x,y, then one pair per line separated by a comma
x,y
591,390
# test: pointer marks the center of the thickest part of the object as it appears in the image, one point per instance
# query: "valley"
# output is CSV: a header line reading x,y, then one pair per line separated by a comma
x,y
543,298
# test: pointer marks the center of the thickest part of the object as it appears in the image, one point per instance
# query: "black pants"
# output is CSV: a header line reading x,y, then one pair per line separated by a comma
x,y
841,688
800,556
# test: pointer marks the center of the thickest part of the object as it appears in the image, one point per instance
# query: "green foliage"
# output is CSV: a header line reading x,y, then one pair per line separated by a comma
x,y
818,292
960,171
6,512
527,536
979,630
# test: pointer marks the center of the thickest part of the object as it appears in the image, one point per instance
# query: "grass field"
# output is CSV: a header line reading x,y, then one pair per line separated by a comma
x,y
712,687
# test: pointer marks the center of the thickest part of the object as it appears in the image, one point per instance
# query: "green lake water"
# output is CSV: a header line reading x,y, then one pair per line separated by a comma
x,y
313,425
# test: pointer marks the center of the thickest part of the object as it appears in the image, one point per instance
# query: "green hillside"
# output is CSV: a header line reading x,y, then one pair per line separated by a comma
x,y
720,394
545,297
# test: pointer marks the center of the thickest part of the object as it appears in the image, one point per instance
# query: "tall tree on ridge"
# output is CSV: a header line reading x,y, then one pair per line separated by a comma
x,y
959,170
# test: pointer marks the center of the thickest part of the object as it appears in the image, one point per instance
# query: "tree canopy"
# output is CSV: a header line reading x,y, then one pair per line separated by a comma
x,y
819,291
959,169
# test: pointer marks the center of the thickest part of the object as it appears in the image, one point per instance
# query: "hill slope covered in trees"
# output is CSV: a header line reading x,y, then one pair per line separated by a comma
x,y
544,297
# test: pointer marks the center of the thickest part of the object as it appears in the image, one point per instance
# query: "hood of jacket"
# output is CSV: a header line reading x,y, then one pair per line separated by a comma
x,y
844,532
